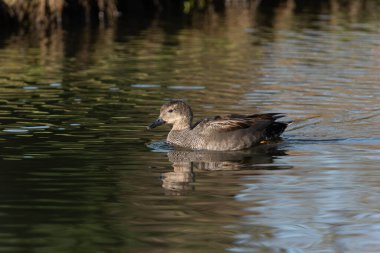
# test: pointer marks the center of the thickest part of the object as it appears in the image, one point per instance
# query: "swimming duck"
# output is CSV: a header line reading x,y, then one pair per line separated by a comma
x,y
230,132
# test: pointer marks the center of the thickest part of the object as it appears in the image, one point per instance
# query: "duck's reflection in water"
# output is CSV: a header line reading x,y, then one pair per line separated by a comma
x,y
188,162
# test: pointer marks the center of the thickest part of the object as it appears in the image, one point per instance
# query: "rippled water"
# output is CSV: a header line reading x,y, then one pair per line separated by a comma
x,y
79,172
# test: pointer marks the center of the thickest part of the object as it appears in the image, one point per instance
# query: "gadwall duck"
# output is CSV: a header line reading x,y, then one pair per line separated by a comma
x,y
230,132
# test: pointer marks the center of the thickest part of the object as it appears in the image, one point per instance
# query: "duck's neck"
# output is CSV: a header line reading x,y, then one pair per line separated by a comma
x,y
182,125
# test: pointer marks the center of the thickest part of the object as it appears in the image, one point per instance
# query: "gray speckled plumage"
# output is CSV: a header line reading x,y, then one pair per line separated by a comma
x,y
230,132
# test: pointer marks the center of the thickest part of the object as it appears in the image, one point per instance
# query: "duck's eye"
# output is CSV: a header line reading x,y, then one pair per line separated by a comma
x,y
171,110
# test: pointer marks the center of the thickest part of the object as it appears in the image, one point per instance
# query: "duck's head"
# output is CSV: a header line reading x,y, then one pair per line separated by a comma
x,y
176,113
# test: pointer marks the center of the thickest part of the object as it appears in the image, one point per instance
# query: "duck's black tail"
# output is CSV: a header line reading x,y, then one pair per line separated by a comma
x,y
274,130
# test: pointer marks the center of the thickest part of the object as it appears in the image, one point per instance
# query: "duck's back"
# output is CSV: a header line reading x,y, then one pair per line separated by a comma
x,y
230,132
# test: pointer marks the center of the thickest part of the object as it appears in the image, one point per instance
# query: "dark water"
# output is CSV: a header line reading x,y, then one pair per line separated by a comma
x,y
79,172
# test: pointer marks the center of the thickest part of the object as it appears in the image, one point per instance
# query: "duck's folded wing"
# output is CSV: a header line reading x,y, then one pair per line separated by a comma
x,y
235,122
223,125
268,116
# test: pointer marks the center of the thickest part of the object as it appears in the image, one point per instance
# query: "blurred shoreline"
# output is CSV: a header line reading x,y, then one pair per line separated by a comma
x,y
42,20
50,14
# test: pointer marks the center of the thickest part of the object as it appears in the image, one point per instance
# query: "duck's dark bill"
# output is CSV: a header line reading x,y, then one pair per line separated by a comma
x,y
156,123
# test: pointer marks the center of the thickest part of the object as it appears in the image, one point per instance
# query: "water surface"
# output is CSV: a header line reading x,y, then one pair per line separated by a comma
x,y
79,172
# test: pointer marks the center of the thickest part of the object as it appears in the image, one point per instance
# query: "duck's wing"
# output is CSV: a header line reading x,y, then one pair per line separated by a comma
x,y
234,122
268,116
